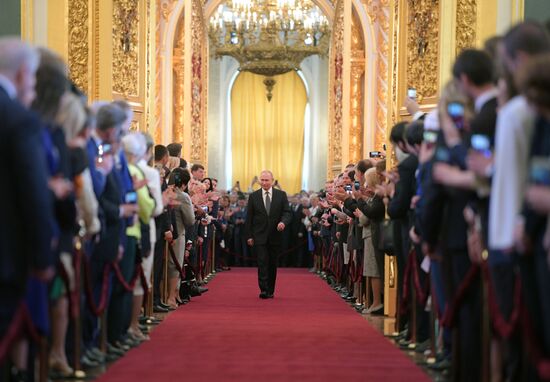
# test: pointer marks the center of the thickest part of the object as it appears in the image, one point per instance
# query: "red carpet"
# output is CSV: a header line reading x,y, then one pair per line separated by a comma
x,y
307,333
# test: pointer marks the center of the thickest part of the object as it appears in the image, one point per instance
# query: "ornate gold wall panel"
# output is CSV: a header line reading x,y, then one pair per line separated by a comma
x,y
356,127
336,91
379,12
178,65
130,52
198,81
126,63
78,43
466,23
423,47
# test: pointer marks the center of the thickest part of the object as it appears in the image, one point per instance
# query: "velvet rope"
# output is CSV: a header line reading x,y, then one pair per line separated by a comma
x,y
451,310
412,270
504,328
176,262
21,322
355,269
99,308
128,286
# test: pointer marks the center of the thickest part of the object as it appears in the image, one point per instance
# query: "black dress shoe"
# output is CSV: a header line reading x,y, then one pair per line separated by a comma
x,y
263,295
159,309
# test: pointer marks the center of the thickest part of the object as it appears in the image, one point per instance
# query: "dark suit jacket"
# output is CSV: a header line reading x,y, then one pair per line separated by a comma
x,y
405,189
26,209
263,227
107,248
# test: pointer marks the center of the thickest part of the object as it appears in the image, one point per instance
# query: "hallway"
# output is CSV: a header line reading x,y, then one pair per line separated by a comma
x,y
306,333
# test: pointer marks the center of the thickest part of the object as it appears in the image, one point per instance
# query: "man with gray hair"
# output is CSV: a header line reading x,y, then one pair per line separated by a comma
x,y
267,216
26,214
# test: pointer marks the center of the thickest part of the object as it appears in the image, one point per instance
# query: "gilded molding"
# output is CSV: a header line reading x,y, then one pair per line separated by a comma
x,y
336,90
423,47
126,63
178,86
78,43
356,91
198,136
379,12
466,20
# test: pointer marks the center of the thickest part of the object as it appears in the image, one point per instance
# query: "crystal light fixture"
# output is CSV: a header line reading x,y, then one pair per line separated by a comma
x,y
269,37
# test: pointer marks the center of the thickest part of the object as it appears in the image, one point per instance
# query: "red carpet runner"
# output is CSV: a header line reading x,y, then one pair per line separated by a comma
x,y
307,333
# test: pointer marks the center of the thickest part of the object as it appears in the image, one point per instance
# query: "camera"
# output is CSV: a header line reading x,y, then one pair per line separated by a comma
x,y
356,185
456,112
540,171
347,188
375,154
411,93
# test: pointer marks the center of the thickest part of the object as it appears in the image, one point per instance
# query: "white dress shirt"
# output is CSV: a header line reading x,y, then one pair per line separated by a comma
x,y
514,132
484,97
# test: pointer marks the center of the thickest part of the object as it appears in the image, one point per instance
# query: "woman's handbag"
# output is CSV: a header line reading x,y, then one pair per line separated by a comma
x,y
386,242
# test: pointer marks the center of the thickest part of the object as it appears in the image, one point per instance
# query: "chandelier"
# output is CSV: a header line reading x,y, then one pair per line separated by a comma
x,y
269,37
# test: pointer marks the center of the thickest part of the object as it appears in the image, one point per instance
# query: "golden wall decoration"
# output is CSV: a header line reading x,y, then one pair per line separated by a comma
x,y
198,79
379,12
78,43
356,127
395,69
466,21
178,66
126,63
336,91
423,47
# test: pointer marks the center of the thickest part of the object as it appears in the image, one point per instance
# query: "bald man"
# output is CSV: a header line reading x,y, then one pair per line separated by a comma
x,y
267,216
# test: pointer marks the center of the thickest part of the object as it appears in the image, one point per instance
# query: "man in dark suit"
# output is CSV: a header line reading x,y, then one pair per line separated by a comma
x,y
268,214
26,213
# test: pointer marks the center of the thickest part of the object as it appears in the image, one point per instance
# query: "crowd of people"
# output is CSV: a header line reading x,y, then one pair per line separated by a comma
x,y
102,227
467,206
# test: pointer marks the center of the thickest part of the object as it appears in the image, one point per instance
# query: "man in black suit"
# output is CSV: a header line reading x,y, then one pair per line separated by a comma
x,y
268,214
26,209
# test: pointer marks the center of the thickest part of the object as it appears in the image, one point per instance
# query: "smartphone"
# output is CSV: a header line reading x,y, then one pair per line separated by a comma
x,y
205,209
104,149
456,112
384,147
356,185
540,171
411,93
481,143
442,155
347,188
130,197
430,136
375,154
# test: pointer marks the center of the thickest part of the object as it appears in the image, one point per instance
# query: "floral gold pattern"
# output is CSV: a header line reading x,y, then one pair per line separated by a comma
x,y
126,63
78,43
466,20
423,47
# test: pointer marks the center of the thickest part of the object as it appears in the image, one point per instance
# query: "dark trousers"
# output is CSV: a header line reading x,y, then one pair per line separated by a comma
x,y
267,256
158,269
120,307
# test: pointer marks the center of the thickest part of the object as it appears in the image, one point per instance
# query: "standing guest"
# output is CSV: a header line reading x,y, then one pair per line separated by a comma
x,y
268,214
25,248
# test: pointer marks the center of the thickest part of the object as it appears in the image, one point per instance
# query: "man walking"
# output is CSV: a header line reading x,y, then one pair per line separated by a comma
x,y
268,214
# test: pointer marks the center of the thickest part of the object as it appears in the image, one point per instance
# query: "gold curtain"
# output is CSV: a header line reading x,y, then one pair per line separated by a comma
x,y
268,135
